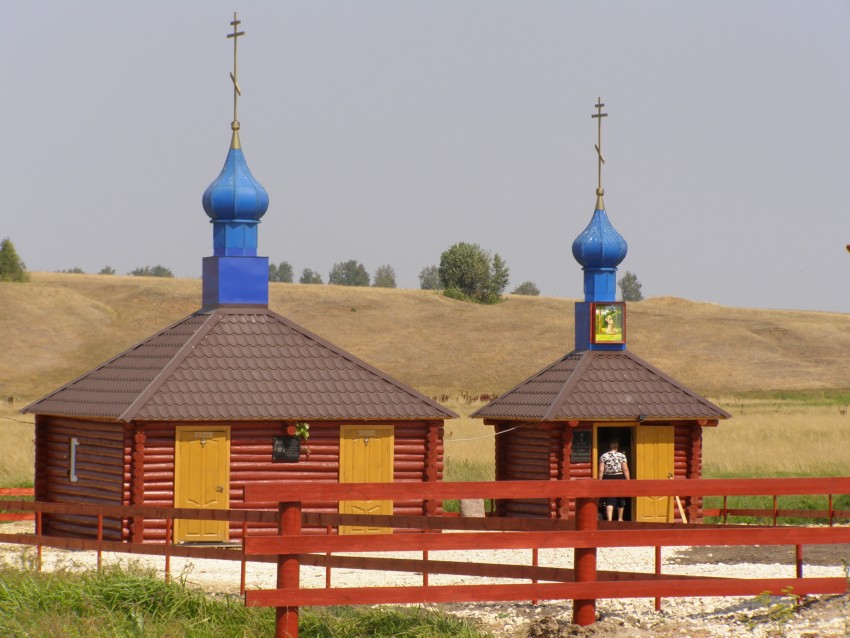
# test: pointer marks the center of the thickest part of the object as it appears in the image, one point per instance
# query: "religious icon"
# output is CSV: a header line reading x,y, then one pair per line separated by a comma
x,y
609,322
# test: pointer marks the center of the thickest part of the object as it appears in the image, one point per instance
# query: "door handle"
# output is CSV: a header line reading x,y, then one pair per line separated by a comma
x,y
219,488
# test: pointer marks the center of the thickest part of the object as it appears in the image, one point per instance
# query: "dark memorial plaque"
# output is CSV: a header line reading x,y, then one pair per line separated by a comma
x,y
286,449
582,447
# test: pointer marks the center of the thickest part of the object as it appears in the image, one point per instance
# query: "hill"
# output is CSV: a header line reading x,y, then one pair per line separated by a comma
x,y
61,325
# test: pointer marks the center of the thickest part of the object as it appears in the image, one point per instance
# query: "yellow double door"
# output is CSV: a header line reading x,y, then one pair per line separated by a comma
x,y
650,457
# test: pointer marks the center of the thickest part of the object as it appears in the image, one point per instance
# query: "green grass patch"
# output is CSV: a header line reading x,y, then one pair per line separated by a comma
x,y
19,482
467,471
790,398
401,622
135,603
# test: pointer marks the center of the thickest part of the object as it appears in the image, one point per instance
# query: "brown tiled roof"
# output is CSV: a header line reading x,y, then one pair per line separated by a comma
x,y
600,385
240,364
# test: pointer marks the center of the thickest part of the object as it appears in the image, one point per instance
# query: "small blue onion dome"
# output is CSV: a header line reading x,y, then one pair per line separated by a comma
x,y
599,245
235,194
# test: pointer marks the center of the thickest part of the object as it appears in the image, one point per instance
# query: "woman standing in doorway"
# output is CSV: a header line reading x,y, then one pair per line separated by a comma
x,y
613,465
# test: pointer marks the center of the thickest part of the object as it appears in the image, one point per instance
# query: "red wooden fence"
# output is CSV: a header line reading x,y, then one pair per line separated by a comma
x,y
583,584
586,583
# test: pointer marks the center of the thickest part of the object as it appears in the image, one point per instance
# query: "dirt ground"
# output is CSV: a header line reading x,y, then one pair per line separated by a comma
x,y
762,554
813,617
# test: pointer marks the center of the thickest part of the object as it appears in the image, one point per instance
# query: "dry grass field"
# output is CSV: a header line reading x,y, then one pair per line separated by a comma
x,y
784,375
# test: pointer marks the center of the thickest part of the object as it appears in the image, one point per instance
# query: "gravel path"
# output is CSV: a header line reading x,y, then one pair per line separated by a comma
x,y
695,617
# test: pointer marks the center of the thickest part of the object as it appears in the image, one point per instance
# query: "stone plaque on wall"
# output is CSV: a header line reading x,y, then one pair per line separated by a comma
x,y
286,449
582,446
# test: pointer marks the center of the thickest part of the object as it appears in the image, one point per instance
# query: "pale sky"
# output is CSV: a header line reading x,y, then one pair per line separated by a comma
x,y
386,131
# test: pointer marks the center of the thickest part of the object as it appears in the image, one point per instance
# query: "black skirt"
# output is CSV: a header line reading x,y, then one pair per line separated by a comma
x,y
614,501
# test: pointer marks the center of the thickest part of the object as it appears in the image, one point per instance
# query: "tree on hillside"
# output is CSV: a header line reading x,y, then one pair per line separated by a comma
x,y
527,288
429,278
310,276
155,271
76,270
469,272
630,287
349,273
12,267
282,273
385,277
499,277
107,270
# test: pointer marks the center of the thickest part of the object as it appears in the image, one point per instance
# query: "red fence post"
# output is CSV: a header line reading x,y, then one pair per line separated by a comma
x,y
587,513
99,541
243,565
288,570
657,573
328,531
39,530
168,539
535,556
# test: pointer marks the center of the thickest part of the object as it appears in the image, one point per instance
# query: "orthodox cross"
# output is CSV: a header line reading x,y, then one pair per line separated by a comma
x,y
234,75
598,116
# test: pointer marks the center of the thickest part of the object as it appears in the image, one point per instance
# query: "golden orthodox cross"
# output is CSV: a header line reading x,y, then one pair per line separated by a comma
x,y
598,116
234,75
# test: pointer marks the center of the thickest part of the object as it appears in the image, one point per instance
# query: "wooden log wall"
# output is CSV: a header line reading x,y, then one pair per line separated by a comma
x,y
688,463
527,452
579,471
100,471
536,451
251,462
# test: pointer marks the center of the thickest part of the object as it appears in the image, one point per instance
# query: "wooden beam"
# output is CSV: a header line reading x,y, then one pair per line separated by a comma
x,y
334,492
668,588
145,511
748,535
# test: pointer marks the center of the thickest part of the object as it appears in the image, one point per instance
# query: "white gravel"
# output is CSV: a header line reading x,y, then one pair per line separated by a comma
x,y
625,617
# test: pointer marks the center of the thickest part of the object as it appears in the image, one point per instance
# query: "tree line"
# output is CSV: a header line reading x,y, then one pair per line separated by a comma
x,y
466,272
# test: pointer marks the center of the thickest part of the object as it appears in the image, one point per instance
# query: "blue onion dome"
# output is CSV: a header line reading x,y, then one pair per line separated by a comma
x,y
599,245
235,194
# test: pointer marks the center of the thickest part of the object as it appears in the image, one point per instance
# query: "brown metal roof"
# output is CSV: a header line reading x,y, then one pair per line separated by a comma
x,y
600,385
237,363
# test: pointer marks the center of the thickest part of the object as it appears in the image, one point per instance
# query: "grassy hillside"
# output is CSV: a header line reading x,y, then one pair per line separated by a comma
x,y
61,325
780,373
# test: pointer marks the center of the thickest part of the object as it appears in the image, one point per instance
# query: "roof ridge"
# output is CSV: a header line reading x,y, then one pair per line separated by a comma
x,y
523,382
133,409
583,363
357,361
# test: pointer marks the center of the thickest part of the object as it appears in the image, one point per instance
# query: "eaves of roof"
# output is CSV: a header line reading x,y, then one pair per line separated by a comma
x,y
601,386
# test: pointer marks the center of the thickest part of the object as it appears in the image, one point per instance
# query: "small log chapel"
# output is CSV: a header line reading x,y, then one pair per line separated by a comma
x,y
224,398
555,424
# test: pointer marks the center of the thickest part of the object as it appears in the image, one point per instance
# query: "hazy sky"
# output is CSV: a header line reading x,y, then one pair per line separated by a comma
x,y
385,131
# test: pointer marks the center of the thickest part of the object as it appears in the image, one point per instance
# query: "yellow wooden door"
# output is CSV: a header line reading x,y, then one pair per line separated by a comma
x,y
365,456
201,480
653,460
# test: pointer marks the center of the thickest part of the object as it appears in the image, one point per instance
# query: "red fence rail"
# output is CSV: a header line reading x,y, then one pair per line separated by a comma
x,y
586,583
16,491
